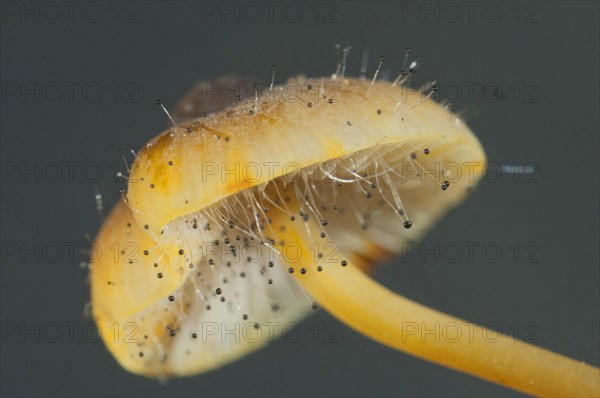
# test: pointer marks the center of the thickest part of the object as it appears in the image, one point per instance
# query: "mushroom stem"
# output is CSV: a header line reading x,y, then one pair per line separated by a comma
x,y
360,302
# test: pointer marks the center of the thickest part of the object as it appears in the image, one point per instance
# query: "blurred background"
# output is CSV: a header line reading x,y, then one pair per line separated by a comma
x,y
79,81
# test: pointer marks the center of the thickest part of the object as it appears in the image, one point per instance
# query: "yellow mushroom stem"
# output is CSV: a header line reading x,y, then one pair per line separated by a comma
x,y
363,304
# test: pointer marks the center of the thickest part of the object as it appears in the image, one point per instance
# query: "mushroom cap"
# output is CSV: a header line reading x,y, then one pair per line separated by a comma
x,y
208,180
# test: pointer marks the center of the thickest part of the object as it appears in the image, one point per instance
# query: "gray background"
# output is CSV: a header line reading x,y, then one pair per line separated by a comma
x,y
168,48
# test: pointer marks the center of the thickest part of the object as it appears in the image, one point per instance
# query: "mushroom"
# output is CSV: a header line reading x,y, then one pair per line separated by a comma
x,y
237,222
